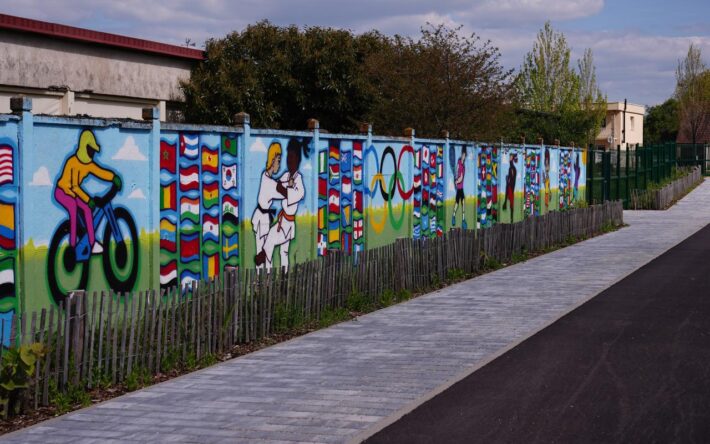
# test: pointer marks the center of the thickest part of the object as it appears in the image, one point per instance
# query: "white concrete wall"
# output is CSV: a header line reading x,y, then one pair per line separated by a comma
x,y
68,78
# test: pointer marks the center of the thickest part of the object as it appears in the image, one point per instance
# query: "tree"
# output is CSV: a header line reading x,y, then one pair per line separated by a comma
x,y
661,123
592,100
693,93
283,76
444,80
546,82
554,101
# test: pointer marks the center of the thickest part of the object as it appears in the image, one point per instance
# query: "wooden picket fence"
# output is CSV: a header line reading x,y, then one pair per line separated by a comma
x,y
663,198
101,337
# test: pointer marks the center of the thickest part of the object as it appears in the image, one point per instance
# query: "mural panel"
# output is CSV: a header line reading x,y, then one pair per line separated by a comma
x,y
89,183
8,234
531,206
390,190
199,213
487,186
340,196
281,217
511,171
566,185
428,214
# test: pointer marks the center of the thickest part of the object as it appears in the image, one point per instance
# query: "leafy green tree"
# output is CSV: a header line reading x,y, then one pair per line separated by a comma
x,y
661,123
283,76
693,93
554,100
444,80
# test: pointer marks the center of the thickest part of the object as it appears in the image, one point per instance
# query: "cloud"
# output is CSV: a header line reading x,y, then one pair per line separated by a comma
x,y
40,178
137,194
635,58
307,167
258,146
129,151
452,188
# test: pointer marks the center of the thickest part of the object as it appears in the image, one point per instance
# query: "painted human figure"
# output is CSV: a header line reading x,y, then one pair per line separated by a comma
x,y
459,183
547,178
576,176
290,184
510,185
69,193
268,192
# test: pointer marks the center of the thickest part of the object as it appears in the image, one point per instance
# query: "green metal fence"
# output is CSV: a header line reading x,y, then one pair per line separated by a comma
x,y
613,174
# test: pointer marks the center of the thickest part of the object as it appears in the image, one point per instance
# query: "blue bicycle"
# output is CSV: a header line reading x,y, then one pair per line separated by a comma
x,y
68,268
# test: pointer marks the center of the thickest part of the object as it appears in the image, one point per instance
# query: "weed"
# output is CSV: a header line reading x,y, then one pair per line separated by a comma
x,y
331,316
455,274
73,396
357,302
387,298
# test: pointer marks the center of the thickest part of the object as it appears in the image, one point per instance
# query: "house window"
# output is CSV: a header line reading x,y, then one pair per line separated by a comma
x,y
632,123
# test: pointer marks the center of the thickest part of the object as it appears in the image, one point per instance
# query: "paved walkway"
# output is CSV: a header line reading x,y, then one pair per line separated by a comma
x,y
632,365
343,382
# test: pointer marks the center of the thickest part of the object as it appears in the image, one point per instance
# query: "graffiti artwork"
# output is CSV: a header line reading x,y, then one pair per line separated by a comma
x,y
74,241
290,190
487,186
531,205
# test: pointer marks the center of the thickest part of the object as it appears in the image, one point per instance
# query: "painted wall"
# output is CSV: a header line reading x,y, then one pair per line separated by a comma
x,y
9,184
163,206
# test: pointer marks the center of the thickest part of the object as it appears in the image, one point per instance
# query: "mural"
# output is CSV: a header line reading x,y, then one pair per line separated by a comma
x,y
546,178
428,216
199,206
340,196
74,242
458,171
531,205
127,206
565,175
511,178
394,179
8,234
290,190
487,186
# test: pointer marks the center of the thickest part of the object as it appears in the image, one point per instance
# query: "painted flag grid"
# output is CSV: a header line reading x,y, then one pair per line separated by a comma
x,y
8,241
200,217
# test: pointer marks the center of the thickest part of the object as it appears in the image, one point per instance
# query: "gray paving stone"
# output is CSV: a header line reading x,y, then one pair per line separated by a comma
x,y
332,384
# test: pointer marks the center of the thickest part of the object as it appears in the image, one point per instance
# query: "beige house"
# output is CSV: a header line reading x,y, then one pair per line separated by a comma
x,y
622,125
76,71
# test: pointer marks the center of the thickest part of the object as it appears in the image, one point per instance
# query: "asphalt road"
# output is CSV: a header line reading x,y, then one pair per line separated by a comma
x,y
630,365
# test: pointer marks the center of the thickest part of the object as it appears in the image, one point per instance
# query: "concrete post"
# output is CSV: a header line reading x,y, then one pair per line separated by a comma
x,y
314,126
242,120
152,115
22,106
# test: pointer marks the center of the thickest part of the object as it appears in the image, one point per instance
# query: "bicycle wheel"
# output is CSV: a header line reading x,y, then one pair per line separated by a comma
x,y
64,273
120,258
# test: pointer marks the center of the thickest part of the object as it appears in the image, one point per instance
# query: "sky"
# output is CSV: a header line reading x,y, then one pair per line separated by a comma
x,y
636,43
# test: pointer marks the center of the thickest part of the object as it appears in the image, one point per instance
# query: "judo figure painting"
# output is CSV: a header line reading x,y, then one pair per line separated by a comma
x,y
274,229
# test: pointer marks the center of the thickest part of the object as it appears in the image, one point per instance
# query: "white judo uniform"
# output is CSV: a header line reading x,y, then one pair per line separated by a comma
x,y
284,230
260,220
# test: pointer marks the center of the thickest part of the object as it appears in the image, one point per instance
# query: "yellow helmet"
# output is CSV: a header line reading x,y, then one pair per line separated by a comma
x,y
87,141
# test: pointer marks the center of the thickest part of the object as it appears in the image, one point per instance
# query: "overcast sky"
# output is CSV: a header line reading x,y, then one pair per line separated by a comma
x,y
636,43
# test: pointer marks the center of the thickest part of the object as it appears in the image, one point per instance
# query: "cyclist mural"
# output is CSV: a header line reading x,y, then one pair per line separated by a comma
x,y
88,216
